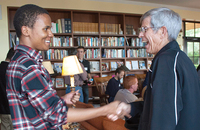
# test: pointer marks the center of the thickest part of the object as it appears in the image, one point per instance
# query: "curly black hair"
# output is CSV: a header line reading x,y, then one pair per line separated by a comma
x,y
26,15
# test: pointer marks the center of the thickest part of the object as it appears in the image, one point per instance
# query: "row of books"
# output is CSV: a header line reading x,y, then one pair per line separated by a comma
x,y
136,53
135,42
62,25
83,27
55,54
14,40
113,53
92,41
61,42
88,41
112,41
92,53
95,53
107,28
130,30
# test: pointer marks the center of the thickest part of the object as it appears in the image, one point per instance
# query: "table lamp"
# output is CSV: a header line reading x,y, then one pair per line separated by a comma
x,y
71,66
48,66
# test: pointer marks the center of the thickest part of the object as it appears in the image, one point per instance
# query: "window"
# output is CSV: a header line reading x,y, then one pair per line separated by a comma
x,y
192,40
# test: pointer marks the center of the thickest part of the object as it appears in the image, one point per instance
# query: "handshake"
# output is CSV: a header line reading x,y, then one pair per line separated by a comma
x,y
118,110
113,111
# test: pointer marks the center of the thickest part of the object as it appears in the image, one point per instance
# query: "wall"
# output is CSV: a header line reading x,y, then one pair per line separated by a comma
x,y
77,5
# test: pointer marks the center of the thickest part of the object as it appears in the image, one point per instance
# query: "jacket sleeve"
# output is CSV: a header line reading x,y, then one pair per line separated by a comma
x,y
166,100
84,74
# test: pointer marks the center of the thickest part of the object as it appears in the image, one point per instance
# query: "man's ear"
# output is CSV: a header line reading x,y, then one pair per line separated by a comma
x,y
25,31
163,32
132,86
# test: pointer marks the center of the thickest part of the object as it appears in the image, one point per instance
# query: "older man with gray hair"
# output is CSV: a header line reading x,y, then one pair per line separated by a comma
x,y
173,92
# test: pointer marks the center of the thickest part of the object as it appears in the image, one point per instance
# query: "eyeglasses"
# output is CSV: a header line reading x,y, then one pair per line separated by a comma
x,y
144,29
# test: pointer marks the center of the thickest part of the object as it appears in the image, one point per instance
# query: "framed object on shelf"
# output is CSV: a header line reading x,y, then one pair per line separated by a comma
x,y
59,82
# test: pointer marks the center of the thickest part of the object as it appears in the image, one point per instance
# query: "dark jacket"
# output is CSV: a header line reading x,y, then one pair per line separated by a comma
x,y
173,92
4,106
112,88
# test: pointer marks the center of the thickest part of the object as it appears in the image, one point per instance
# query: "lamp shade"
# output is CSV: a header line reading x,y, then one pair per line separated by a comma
x,y
71,66
48,66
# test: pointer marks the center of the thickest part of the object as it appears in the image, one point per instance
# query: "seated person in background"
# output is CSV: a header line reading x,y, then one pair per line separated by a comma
x,y
114,84
78,78
126,95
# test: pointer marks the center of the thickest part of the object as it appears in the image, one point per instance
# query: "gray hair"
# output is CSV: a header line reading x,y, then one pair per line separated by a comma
x,y
164,17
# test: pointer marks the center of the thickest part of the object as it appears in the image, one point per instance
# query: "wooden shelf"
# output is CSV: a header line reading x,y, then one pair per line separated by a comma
x,y
139,70
63,88
107,71
62,34
54,60
136,58
112,35
94,72
112,58
12,30
86,34
92,59
129,35
112,47
61,47
114,25
135,47
91,47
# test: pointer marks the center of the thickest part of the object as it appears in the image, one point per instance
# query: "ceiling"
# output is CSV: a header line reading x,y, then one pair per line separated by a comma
x,y
193,5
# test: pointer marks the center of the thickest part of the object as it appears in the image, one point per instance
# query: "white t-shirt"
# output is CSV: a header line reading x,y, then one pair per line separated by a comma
x,y
125,95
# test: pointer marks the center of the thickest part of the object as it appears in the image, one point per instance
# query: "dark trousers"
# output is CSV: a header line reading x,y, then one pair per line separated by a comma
x,y
85,93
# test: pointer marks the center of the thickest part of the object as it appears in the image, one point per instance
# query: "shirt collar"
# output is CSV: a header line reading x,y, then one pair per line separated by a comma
x,y
81,60
31,52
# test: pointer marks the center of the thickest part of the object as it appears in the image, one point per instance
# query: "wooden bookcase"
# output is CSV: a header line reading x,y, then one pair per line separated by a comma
x,y
97,18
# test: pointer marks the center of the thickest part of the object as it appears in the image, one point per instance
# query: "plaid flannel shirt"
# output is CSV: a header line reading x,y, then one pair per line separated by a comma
x,y
33,102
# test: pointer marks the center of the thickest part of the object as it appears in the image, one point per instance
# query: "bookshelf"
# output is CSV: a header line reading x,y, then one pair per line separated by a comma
x,y
107,36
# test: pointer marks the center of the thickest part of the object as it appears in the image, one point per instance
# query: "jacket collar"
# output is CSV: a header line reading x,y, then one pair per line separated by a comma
x,y
170,45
